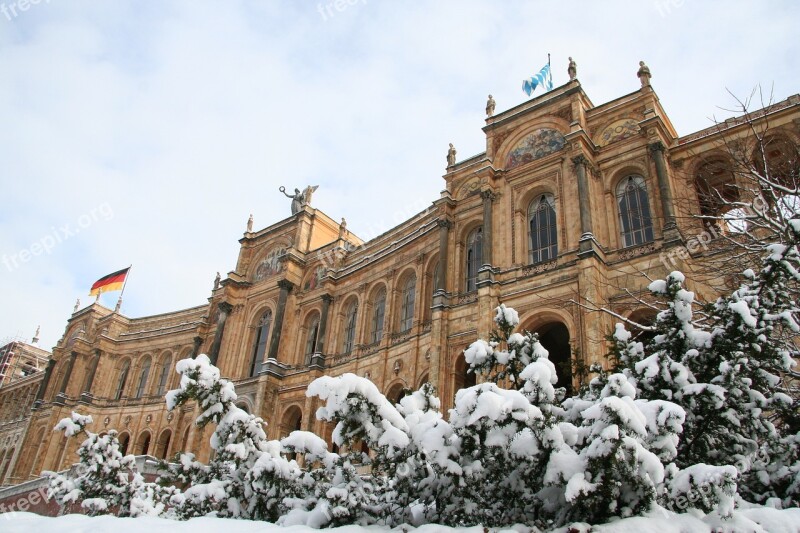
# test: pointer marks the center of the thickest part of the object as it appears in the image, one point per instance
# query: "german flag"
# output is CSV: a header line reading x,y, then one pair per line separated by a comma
x,y
112,282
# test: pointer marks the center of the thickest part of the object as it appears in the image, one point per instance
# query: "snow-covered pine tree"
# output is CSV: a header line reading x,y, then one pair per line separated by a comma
x,y
227,484
104,481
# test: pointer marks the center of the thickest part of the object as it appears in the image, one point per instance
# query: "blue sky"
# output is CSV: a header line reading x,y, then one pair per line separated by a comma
x,y
156,128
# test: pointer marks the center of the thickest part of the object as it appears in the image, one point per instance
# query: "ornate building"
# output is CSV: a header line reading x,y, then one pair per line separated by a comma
x,y
21,373
566,209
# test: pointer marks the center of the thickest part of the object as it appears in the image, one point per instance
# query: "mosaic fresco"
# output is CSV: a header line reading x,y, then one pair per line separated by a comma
x,y
313,281
271,265
617,131
535,146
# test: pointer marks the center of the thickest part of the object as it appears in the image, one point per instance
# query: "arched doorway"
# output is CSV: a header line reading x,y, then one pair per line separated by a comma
x,y
292,421
124,442
554,337
143,443
162,447
462,378
396,393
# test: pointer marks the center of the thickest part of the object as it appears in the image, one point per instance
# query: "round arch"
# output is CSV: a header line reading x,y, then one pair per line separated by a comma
x,y
292,420
512,143
423,380
124,440
143,443
162,445
396,392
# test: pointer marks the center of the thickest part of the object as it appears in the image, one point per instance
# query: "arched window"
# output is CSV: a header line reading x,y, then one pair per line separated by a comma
x,y
350,316
543,230
260,344
634,211
378,314
407,303
474,257
143,374
163,375
123,379
311,335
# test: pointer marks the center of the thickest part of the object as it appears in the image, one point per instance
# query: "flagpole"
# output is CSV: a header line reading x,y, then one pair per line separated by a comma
x,y
124,284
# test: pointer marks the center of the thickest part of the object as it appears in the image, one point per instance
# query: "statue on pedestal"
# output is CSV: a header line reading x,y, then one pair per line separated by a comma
x,y
490,106
250,223
644,74
451,156
299,199
572,69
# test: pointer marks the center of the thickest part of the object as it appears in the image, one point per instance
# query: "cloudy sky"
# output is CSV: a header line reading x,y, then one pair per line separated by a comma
x,y
145,133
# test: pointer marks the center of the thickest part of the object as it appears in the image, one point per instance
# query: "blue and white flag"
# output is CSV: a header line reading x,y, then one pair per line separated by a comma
x,y
542,78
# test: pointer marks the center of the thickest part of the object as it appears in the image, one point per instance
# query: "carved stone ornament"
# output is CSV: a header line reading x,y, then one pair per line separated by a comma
x,y
127,420
170,416
107,421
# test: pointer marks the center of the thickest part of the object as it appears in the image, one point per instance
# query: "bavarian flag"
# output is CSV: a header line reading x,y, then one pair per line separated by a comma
x,y
112,282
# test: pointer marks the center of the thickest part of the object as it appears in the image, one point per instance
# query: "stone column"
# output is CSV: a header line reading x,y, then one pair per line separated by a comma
x,y
68,374
286,287
323,324
444,230
580,163
488,197
224,309
87,389
657,150
198,341
43,385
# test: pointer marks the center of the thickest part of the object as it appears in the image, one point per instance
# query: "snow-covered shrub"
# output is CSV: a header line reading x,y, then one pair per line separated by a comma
x,y
704,487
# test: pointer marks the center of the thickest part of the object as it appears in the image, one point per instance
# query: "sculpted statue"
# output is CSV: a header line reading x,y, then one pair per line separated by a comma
x,y
250,223
644,74
451,156
490,106
216,281
299,199
572,69
342,228
77,305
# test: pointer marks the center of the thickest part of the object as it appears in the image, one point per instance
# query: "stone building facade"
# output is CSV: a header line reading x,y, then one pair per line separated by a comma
x,y
21,372
568,207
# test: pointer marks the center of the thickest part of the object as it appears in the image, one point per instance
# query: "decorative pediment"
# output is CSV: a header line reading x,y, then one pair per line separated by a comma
x,y
534,146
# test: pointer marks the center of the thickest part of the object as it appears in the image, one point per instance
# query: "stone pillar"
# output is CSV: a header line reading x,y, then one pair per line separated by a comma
x,y
286,287
488,197
323,324
444,230
198,341
87,389
580,163
48,373
224,309
670,228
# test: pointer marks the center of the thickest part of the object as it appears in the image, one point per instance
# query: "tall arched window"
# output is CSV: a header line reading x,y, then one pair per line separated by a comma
x,y
474,258
163,375
311,335
143,374
261,340
378,314
123,379
543,230
350,316
634,211
407,303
